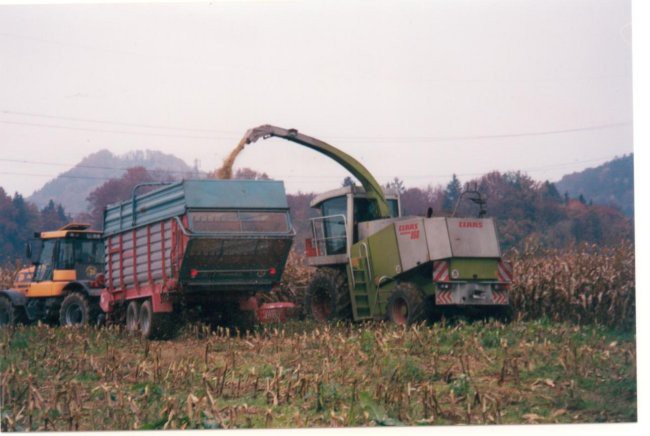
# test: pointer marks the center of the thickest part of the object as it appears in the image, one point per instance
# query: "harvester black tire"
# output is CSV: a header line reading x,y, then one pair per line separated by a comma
x,y
75,310
328,296
155,325
7,312
504,313
406,305
132,316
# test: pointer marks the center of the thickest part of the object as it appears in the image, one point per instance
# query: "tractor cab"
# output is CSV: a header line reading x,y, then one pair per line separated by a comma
x,y
337,227
71,253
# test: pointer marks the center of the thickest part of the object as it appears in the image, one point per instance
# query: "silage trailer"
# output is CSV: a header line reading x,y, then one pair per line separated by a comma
x,y
208,245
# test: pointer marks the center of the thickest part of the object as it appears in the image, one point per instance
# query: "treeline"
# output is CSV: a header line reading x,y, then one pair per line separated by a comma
x,y
20,219
524,210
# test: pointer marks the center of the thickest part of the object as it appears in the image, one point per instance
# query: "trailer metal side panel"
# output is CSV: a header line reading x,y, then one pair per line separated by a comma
x,y
175,199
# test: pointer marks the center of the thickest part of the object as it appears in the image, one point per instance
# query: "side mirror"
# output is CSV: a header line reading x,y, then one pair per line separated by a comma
x,y
28,250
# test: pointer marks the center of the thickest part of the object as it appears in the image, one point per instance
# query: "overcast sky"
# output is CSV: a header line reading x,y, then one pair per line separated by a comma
x,y
417,90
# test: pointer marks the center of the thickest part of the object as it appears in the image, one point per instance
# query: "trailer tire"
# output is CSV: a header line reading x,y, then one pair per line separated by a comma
x,y
132,316
328,296
406,305
243,320
155,325
7,312
75,310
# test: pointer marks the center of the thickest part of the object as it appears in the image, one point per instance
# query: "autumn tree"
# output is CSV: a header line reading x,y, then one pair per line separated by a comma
x,y
20,219
250,174
120,189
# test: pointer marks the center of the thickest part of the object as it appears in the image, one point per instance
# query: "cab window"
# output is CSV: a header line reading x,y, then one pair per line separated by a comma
x,y
45,262
366,210
73,252
334,211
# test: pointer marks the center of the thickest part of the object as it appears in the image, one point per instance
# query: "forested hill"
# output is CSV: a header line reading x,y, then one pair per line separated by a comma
x,y
611,183
71,188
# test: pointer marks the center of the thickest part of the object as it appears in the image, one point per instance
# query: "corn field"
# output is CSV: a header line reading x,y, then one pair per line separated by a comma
x,y
568,357
7,275
313,376
587,284
584,284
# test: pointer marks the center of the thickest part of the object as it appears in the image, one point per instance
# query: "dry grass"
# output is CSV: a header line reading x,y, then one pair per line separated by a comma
x,y
309,376
587,284
7,275
569,358
295,278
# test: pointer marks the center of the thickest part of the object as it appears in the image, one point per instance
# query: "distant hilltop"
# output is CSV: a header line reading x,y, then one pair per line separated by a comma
x,y
611,183
73,186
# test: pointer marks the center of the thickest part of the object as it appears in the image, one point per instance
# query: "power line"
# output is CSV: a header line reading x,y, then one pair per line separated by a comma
x,y
496,136
311,177
357,139
126,132
54,175
95,167
116,123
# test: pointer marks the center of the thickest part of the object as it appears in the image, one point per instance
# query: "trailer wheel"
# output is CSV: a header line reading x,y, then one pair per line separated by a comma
x,y
7,312
328,296
155,325
406,305
75,310
132,316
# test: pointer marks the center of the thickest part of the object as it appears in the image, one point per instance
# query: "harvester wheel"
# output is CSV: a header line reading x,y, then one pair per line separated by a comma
x,y
155,325
132,316
328,296
503,313
75,310
7,312
406,305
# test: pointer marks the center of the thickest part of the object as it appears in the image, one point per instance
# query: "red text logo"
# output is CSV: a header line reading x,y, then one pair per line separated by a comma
x,y
470,224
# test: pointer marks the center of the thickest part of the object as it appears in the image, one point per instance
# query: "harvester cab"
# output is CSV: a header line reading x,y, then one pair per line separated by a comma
x,y
65,280
337,228
373,263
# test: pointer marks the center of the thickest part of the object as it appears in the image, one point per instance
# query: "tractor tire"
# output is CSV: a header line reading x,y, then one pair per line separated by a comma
x,y
133,316
76,310
7,313
406,305
328,296
155,325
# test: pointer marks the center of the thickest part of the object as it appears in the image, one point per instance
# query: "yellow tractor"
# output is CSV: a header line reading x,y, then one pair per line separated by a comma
x,y
66,280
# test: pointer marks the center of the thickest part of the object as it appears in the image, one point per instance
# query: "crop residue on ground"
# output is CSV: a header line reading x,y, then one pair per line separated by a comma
x,y
305,375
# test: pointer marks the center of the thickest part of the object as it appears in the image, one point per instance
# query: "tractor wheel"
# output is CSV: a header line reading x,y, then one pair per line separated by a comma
x,y
406,305
75,310
132,316
7,312
328,296
155,325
